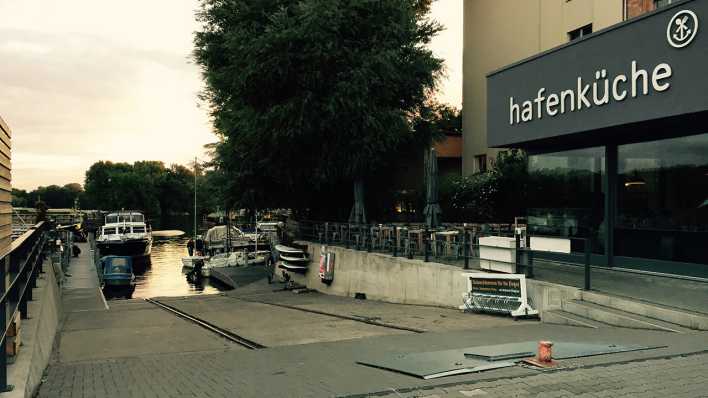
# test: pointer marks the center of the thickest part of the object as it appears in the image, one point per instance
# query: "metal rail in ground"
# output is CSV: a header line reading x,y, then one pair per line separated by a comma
x,y
208,326
369,321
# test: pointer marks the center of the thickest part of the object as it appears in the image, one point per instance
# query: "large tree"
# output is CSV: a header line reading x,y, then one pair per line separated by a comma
x,y
307,95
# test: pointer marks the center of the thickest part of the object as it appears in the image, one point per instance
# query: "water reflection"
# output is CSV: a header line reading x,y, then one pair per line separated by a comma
x,y
163,275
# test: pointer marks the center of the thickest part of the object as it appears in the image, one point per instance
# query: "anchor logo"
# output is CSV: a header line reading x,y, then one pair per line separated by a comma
x,y
682,29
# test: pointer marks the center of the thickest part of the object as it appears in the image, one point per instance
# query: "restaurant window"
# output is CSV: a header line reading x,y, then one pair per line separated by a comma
x,y
567,198
481,163
663,200
580,32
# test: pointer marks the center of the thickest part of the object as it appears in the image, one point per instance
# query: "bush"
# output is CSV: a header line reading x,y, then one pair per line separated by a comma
x,y
474,197
497,195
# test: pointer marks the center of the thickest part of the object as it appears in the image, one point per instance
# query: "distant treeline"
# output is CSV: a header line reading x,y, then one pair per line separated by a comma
x,y
149,186
59,197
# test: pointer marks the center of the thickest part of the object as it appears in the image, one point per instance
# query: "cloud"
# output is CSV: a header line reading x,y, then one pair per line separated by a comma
x,y
74,98
87,80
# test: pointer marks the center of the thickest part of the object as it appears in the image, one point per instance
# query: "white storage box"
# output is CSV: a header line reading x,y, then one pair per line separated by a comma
x,y
497,253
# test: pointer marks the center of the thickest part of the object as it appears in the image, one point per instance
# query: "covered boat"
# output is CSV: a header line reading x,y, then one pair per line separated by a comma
x,y
216,239
117,270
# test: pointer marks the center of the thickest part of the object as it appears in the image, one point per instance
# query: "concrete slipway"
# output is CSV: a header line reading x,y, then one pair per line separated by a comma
x,y
134,348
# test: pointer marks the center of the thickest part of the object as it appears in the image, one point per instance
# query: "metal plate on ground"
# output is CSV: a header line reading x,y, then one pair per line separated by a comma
x,y
501,352
578,350
561,350
431,365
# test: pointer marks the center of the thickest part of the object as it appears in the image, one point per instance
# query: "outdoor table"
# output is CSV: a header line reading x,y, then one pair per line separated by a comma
x,y
448,238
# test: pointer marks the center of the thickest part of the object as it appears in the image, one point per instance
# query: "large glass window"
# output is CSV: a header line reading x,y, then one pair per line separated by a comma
x,y
663,200
567,198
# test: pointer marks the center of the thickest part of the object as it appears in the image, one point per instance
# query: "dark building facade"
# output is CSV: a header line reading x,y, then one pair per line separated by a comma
x,y
616,126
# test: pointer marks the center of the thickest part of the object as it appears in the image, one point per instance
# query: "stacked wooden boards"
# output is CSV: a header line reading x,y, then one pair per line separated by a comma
x,y
5,187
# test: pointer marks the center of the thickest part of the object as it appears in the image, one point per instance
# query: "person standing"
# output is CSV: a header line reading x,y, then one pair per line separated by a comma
x,y
190,247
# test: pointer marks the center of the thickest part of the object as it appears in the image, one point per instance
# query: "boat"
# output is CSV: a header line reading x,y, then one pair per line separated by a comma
x,y
189,261
116,270
220,239
234,259
125,233
292,259
258,257
195,257
224,260
219,247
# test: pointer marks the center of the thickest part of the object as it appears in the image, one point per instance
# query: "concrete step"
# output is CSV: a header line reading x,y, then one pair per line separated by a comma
x,y
688,319
615,317
560,317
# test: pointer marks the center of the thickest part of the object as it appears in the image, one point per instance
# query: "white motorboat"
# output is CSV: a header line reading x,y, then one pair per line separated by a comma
x,y
224,260
125,233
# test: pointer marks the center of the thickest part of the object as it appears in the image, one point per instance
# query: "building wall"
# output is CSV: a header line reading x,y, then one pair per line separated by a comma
x,y
501,32
638,7
5,187
400,280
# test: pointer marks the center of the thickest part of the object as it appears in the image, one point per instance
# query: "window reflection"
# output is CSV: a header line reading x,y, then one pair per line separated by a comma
x,y
566,196
663,199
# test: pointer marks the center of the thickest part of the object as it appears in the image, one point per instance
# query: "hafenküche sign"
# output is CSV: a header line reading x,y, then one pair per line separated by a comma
x,y
648,68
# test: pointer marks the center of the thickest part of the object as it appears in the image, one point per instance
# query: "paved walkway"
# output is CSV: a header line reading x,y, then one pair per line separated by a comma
x,y
673,377
329,369
135,349
81,291
679,293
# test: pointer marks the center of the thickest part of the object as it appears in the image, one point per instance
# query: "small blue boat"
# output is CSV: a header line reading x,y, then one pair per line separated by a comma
x,y
117,270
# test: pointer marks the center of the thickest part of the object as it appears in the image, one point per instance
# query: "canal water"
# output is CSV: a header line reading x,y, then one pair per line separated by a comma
x,y
164,275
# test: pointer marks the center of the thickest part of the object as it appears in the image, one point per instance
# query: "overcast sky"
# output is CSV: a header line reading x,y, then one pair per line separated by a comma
x,y
89,80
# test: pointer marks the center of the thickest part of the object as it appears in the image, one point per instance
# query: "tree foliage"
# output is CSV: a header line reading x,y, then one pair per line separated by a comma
x,y
307,95
53,196
497,195
149,186
145,185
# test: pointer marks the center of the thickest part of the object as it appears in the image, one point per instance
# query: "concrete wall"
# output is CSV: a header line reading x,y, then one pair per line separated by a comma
x,y
400,280
38,335
500,32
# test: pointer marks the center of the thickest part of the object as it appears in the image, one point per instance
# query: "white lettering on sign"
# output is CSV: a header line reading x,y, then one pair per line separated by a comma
x,y
601,91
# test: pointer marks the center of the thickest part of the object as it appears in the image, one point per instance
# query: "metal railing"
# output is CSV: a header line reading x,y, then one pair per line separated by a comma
x,y
20,265
457,245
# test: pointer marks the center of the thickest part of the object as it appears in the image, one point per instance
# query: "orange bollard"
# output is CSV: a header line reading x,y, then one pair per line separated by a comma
x,y
544,358
545,351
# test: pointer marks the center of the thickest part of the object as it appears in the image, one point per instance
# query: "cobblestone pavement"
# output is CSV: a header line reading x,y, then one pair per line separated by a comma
x,y
223,374
137,350
673,377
